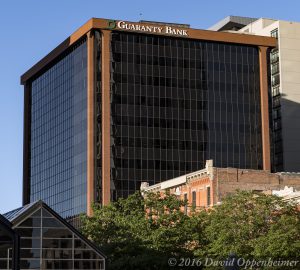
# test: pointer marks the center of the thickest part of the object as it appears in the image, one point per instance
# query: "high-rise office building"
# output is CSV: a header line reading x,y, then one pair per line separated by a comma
x,y
285,86
118,103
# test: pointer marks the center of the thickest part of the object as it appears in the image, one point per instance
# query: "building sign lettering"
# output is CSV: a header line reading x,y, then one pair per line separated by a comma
x,y
169,30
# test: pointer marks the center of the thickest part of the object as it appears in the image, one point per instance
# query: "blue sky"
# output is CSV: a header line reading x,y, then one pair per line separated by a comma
x,y
31,28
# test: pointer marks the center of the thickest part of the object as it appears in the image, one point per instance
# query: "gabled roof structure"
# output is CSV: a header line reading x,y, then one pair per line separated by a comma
x,y
59,245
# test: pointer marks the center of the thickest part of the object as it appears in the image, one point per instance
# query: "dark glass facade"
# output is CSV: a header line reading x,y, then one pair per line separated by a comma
x,y
160,105
176,103
58,137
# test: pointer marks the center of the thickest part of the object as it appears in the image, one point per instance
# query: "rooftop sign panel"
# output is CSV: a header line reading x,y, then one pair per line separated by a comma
x,y
141,27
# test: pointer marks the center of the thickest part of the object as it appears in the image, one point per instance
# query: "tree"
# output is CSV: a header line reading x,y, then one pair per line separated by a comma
x,y
141,233
253,226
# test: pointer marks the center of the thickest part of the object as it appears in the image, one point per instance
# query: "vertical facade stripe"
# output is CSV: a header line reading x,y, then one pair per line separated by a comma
x,y
90,121
264,107
105,117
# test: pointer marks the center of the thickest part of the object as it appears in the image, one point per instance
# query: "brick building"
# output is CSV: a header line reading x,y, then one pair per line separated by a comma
x,y
210,185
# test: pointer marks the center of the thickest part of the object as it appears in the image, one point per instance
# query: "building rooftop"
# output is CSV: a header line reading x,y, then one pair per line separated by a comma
x,y
153,28
207,172
14,214
231,23
183,25
288,194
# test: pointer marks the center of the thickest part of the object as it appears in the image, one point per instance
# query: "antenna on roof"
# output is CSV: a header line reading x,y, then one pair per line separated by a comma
x,y
141,15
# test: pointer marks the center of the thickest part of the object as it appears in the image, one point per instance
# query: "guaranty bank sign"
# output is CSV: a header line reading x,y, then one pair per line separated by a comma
x,y
167,29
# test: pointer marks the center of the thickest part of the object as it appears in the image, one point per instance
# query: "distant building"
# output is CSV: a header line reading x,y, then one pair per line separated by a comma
x,y
120,101
231,23
209,186
288,194
285,87
47,241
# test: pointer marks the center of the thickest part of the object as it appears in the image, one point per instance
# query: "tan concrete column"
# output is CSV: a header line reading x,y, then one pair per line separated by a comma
x,y
105,117
90,122
264,107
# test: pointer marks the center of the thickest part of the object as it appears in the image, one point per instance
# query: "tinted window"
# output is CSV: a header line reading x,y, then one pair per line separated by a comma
x,y
176,104
58,134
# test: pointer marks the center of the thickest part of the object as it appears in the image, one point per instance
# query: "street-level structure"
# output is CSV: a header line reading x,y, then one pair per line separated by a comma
x,y
45,241
9,246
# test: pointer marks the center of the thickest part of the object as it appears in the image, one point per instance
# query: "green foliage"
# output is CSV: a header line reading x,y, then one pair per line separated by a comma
x,y
142,233
253,226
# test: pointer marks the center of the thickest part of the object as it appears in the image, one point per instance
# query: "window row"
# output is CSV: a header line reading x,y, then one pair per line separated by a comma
x,y
243,126
216,64
158,81
180,109
162,123
154,164
159,143
162,102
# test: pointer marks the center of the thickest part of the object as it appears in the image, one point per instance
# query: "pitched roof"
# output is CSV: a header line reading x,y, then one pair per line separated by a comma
x,y
14,214
231,22
19,214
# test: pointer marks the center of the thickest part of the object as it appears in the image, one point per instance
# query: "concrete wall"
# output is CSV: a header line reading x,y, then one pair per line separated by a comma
x,y
289,57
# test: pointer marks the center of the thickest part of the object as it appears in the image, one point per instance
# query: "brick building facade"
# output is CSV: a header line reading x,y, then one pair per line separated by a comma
x,y
209,186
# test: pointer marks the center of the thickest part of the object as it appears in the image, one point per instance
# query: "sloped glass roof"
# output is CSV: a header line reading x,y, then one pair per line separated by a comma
x,y
12,215
47,241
